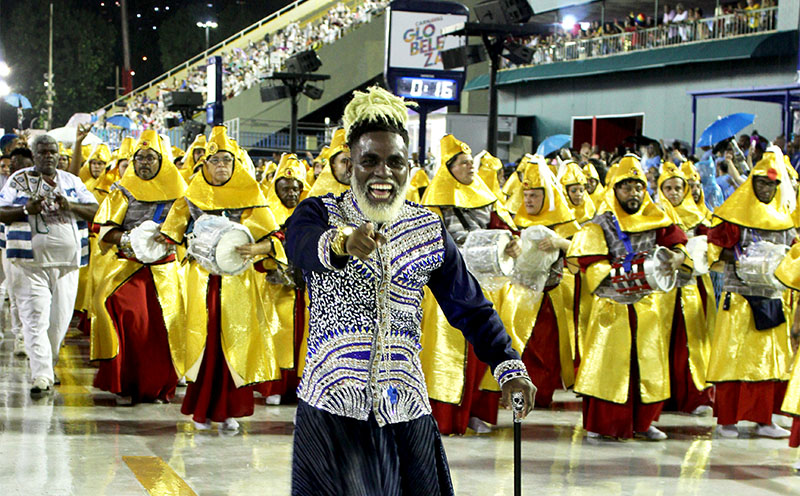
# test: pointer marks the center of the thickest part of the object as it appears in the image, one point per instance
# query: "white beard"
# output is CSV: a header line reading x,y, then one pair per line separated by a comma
x,y
382,212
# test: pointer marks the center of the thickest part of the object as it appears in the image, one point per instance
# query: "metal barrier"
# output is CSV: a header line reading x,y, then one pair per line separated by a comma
x,y
715,28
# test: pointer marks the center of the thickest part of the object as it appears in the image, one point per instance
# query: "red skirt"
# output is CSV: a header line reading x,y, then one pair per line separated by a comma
x,y
753,401
453,419
622,420
685,397
542,354
286,386
214,395
143,367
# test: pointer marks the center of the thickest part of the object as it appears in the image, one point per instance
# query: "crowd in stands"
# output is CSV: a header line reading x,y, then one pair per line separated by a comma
x,y
677,25
243,67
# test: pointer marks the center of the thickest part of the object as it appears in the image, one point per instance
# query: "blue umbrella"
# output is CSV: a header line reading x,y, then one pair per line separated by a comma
x,y
17,100
120,120
552,144
725,127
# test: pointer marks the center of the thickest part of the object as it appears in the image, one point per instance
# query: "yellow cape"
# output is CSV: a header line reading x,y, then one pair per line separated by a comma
x,y
326,183
686,212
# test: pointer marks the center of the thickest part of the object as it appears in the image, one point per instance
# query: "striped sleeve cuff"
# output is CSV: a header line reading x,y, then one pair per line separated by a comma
x,y
509,369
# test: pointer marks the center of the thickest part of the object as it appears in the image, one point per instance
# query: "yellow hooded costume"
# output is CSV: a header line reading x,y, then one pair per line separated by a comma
x,y
327,182
739,351
788,273
512,189
444,349
597,197
419,182
571,174
489,167
246,328
699,318
189,165
95,184
518,311
145,200
605,343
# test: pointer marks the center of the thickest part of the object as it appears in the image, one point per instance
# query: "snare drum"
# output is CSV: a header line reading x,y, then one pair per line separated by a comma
x,y
213,244
643,274
756,265
484,252
143,242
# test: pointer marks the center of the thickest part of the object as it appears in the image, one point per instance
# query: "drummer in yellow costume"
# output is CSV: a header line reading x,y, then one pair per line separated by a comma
x,y
543,328
594,187
490,168
419,183
334,177
693,302
750,350
512,189
284,287
137,307
624,370
228,343
695,186
93,171
787,273
452,371
578,309
193,157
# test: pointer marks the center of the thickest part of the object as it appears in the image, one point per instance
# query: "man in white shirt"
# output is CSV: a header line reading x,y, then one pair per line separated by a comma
x,y
46,213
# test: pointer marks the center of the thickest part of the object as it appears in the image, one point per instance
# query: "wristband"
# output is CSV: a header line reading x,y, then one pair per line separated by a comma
x,y
338,245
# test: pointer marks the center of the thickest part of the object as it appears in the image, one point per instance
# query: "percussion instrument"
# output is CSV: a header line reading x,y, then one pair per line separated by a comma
x,y
143,242
534,266
213,244
484,254
757,263
697,247
642,273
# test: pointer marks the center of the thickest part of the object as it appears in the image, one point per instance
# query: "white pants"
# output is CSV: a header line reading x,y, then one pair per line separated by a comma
x,y
16,325
45,299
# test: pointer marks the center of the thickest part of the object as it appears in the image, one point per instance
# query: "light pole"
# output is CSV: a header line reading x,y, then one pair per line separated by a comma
x,y
207,26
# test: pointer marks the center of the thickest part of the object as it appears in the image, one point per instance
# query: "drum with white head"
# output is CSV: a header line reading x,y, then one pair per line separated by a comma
x,y
213,244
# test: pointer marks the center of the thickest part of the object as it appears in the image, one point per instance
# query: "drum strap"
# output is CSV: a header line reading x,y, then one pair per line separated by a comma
x,y
626,240
159,213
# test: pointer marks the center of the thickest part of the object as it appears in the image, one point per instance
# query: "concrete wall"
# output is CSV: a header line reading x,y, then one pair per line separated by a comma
x,y
661,94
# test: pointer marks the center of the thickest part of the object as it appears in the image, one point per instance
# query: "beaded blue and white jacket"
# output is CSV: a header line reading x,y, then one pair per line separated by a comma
x,y
365,316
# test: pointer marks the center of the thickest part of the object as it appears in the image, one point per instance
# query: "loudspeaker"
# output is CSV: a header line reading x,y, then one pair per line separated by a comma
x,y
179,100
463,56
272,93
312,92
503,11
518,54
303,62
172,122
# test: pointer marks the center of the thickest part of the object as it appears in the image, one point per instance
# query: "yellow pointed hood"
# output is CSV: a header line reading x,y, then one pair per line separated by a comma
x,y
100,152
691,173
687,213
589,170
743,207
649,216
570,174
326,183
488,168
338,144
63,151
199,142
555,210
289,168
240,191
167,185
446,191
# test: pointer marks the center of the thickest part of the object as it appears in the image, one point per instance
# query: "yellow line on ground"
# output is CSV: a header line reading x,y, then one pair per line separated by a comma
x,y
157,477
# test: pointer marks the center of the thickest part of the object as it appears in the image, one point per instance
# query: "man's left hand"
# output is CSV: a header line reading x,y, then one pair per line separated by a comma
x,y
63,203
513,248
519,385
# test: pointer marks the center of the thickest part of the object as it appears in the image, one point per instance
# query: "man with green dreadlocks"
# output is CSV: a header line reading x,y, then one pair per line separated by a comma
x,y
363,421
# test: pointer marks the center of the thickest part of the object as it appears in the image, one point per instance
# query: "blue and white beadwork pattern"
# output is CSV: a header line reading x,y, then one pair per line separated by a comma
x,y
364,328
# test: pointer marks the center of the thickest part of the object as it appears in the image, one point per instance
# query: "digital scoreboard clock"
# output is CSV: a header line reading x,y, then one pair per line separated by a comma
x,y
427,88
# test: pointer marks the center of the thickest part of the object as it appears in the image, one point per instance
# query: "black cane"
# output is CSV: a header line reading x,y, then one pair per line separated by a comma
x,y
518,405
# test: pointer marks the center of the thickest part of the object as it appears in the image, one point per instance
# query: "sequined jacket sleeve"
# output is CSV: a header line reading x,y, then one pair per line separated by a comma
x,y
304,229
461,299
